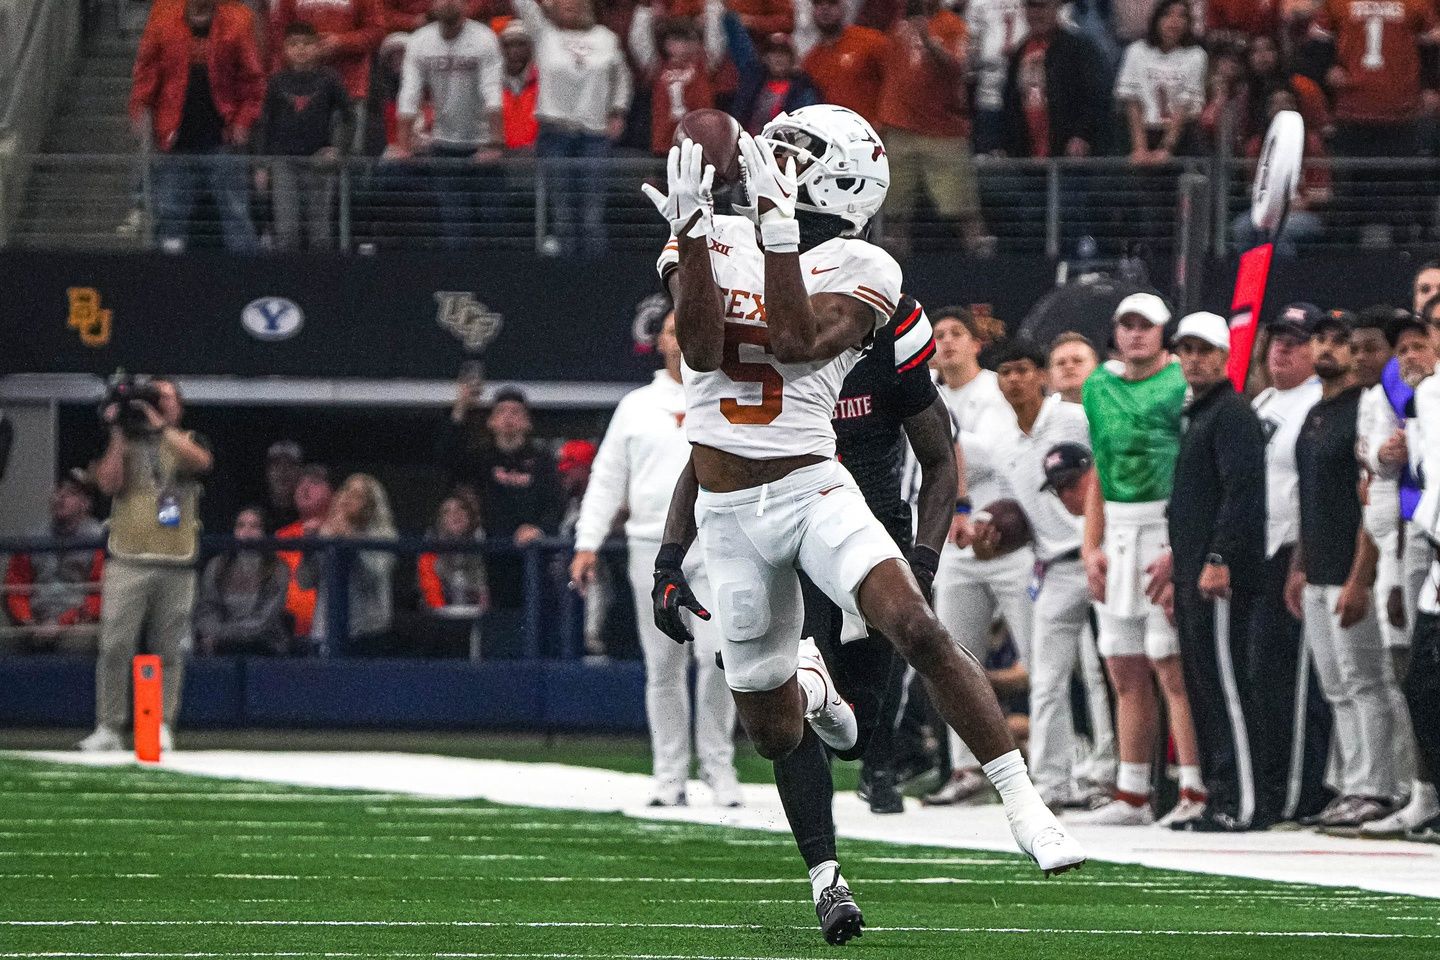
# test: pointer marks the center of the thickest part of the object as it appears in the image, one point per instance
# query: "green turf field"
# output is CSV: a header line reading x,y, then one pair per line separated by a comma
x,y
136,863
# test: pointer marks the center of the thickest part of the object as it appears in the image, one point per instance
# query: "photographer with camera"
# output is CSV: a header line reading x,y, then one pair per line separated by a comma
x,y
151,470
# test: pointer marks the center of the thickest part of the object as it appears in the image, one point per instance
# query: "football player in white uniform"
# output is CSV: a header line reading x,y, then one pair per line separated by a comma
x,y
770,321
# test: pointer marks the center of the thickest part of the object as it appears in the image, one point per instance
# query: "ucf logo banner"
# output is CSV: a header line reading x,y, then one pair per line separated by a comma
x,y
87,317
468,320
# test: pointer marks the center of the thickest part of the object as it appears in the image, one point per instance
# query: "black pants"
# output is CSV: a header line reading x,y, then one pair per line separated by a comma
x,y
1287,706
1213,655
1422,687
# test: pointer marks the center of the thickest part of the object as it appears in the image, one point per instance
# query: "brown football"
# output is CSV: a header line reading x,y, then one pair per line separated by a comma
x,y
718,134
1008,519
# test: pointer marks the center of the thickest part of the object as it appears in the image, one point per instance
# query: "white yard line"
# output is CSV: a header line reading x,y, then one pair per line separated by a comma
x,y
1386,866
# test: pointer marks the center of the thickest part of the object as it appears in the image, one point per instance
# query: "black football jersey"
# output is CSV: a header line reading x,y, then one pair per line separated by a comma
x,y
890,383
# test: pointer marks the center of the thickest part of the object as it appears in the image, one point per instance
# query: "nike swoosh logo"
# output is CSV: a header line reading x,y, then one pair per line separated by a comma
x,y
829,489
816,271
783,193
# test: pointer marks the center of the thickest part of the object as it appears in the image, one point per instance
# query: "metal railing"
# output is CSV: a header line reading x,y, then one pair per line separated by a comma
x,y
548,624
369,205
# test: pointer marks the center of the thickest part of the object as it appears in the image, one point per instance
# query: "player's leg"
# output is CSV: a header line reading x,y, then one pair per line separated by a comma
x,y
1055,652
714,706
872,676
667,694
1097,772
1170,675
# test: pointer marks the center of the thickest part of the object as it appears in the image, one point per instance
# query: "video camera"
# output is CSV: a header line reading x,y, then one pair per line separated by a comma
x,y
128,391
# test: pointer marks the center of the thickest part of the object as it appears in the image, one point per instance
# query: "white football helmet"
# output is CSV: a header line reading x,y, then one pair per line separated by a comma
x,y
840,164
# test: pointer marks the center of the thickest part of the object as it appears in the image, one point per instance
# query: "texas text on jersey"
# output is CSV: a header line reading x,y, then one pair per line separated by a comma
x,y
889,384
754,406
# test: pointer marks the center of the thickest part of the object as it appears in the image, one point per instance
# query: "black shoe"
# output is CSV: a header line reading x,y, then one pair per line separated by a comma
x,y
877,788
840,917
1315,819
1211,821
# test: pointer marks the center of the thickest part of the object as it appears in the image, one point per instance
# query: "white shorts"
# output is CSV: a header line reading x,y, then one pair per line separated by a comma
x,y
1136,536
752,542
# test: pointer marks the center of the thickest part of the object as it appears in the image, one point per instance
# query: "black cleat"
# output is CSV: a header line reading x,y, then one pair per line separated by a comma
x,y
1212,821
840,917
877,788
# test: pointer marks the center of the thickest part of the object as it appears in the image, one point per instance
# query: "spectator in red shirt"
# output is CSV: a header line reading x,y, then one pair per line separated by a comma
x,y
350,32
1056,96
49,594
679,69
521,86
848,62
1314,190
1375,75
312,504
926,122
198,87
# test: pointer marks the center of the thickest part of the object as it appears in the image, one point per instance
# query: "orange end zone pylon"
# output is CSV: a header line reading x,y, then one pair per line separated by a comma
x,y
149,708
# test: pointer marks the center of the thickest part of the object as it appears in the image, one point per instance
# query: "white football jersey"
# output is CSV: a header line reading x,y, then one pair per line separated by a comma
x,y
753,406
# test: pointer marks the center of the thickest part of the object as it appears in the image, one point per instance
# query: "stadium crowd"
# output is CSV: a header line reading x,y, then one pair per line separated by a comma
x,y
305,82
1304,510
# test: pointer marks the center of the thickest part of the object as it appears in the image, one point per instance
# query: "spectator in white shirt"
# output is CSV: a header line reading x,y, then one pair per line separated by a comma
x,y
584,96
458,64
640,459
997,28
1162,86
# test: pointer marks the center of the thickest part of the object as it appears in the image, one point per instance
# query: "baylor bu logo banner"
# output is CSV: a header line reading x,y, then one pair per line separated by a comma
x,y
468,320
87,318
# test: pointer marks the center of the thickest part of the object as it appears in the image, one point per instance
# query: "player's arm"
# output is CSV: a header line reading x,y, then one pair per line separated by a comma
x,y
671,595
940,476
680,521
1096,565
685,262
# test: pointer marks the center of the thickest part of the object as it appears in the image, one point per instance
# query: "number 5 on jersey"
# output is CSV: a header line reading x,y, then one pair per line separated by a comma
x,y
746,369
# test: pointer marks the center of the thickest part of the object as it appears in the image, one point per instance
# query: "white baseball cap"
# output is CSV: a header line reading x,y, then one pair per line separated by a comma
x,y
1209,327
1145,305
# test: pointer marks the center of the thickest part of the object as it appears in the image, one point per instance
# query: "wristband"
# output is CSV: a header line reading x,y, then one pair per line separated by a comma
x,y
670,557
963,507
780,236
926,558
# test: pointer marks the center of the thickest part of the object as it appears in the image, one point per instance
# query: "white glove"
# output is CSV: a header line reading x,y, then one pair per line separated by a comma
x,y
689,206
772,180
768,179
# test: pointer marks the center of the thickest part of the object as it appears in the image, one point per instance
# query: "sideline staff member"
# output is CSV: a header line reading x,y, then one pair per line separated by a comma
x,y
151,471
1217,534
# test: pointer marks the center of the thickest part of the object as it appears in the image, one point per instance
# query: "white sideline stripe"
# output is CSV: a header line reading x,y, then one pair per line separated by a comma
x,y
267,855
726,881
952,861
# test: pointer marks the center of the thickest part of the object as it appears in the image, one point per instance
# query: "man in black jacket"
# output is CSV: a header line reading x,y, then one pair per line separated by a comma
x,y
1056,99
1217,535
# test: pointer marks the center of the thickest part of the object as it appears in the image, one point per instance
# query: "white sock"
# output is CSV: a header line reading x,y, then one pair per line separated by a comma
x,y
813,688
823,876
1134,778
1008,775
1190,779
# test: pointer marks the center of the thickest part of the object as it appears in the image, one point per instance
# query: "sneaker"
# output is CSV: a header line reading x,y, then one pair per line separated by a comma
x,y
1427,832
1315,819
963,786
840,916
1040,837
834,721
167,739
724,788
1122,813
668,795
1190,806
877,788
1422,807
1356,811
1211,821
1087,794
102,740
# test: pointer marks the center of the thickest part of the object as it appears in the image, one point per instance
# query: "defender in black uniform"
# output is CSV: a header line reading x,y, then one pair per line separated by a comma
x,y
887,398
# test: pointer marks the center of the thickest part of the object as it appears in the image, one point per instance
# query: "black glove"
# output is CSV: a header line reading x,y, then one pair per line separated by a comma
x,y
923,563
672,595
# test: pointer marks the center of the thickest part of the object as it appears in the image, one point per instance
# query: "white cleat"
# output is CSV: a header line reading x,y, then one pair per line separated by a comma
x,y
1118,813
834,721
724,789
1040,836
1422,807
101,741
